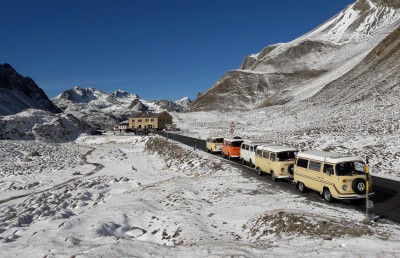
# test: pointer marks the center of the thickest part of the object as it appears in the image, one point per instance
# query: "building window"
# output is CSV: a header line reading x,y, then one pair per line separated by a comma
x,y
152,120
147,120
139,120
133,120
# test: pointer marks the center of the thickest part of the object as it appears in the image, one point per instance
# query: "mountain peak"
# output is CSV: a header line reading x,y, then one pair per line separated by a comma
x,y
18,93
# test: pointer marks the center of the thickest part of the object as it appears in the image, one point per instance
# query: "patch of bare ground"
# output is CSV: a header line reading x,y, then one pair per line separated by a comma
x,y
283,223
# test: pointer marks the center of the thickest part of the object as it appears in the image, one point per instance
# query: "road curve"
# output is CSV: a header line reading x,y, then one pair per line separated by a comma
x,y
386,199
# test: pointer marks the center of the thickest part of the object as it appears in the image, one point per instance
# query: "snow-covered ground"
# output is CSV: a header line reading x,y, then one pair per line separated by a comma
x,y
124,196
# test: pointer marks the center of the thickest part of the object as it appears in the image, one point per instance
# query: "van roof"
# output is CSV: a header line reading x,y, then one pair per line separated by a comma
x,y
234,140
215,137
254,142
331,157
277,148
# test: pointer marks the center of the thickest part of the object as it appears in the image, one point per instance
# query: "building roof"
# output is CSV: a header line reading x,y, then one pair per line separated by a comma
x,y
330,157
149,115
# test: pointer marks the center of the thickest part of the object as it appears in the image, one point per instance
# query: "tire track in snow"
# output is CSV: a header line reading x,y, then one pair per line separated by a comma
x,y
98,167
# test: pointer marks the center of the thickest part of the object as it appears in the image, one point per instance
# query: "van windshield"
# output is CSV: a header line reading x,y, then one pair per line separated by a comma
x,y
218,140
350,168
236,143
286,155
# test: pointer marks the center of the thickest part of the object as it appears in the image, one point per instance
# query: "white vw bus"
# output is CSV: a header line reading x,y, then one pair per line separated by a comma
x,y
248,151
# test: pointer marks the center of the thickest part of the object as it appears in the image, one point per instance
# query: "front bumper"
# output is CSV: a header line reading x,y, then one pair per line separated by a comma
x,y
355,196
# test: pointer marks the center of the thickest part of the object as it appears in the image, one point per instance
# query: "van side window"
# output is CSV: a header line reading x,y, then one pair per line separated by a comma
x,y
259,152
303,163
243,146
328,169
272,157
265,154
251,148
316,166
247,147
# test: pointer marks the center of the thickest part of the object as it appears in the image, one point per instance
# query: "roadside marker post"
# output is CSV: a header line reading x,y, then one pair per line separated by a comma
x,y
368,203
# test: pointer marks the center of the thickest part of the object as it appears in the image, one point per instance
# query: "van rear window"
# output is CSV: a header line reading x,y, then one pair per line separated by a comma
x,y
303,163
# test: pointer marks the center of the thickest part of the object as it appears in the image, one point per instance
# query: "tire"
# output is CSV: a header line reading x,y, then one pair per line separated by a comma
x,y
273,177
208,151
224,156
327,195
259,171
243,162
302,188
291,169
359,186
229,157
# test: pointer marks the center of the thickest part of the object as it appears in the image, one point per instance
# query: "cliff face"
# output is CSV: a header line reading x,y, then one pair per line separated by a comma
x,y
18,93
295,71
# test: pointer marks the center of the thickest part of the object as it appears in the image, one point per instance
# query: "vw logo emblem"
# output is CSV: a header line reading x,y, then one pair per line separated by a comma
x,y
361,186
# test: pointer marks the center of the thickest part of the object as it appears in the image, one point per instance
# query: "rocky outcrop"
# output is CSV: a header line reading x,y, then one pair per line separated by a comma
x,y
18,93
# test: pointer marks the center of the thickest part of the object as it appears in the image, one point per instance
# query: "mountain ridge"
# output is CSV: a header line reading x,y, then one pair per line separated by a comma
x,y
18,93
295,71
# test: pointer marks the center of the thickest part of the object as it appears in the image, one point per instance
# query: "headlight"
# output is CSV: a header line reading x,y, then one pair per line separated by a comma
x,y
344,187
282,169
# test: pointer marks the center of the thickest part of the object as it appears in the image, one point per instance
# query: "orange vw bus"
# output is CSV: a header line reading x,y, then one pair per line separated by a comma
x,y
231,148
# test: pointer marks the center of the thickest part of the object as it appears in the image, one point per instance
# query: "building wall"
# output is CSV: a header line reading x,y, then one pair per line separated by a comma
x,y
164,119
155,122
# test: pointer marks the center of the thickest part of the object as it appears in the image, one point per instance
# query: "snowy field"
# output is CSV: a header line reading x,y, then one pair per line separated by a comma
x,y
124,196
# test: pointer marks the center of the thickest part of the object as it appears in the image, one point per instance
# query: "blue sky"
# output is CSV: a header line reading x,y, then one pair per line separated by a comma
x,y
154,48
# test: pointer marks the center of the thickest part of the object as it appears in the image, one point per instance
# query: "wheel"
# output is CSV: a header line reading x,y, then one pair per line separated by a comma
x,y
243,162
273,177
259,171
224,156
302,187
327,195
291,169
359,186
208,151
229,157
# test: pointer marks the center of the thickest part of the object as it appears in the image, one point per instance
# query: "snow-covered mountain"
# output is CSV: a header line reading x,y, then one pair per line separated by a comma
x,y
101,109
295,71
18,93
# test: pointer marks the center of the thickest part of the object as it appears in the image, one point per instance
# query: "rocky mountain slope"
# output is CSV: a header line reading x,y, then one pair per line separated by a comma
x,y
376,78
18,93
295,71
102,110
33,124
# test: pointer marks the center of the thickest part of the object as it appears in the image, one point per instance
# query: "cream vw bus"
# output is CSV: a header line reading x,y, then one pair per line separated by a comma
x,y
275,160
334,175
248,151
214,144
